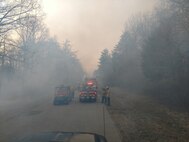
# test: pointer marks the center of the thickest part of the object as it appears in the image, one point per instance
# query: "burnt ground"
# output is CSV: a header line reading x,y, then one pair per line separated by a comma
x,y
140,118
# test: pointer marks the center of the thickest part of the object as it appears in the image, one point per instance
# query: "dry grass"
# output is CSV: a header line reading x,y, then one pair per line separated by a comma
x,y
141,119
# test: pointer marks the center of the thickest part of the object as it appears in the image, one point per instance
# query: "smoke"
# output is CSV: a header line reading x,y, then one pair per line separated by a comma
x,y
49,66
91,25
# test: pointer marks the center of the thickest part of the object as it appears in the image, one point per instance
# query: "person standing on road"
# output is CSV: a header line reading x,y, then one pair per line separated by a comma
x,y
72,91
107,96
104,95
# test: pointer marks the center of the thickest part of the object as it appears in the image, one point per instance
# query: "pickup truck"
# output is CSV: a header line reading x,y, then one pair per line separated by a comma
x,y
63,95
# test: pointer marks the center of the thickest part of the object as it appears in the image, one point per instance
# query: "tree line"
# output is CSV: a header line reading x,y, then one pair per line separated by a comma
x,y
28,53
152,55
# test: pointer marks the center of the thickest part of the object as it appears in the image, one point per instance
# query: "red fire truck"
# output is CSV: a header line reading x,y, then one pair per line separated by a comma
x,y
88,91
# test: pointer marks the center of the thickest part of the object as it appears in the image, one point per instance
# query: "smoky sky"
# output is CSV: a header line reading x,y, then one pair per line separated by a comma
x,y
91,25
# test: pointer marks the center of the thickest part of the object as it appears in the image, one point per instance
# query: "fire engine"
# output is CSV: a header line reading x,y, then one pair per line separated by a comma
x,y
88,91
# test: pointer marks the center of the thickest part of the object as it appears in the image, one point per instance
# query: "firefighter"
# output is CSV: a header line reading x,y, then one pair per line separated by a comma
x,y
104,95
107,96
72,91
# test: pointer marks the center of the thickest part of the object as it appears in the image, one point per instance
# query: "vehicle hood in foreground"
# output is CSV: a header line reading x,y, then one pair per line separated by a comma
x,y
64,137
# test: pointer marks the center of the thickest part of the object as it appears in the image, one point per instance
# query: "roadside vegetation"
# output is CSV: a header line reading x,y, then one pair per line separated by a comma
x,y
152,56
150,66
140,118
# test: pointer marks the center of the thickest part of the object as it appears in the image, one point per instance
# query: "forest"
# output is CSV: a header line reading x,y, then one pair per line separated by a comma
x,y
29,56
152,55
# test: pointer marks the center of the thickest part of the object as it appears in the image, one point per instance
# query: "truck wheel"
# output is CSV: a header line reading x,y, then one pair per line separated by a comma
x,y
94,101
55,103
67,102
81,100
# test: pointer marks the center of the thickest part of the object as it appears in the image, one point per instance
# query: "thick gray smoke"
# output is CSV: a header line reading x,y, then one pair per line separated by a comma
x,y
152,55
31,62
52,66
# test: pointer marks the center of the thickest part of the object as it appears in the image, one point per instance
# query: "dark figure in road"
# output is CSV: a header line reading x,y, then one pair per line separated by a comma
x,y
107,96
104,95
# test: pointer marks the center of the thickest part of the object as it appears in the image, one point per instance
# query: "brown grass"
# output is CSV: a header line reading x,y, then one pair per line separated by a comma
x,y
140,119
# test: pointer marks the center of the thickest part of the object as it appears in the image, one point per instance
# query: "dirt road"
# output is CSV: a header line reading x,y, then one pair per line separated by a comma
x,y
37,116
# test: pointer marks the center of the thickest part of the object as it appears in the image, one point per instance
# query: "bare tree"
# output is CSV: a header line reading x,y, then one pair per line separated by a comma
x,y
21,19
13,12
